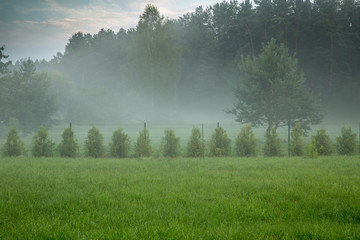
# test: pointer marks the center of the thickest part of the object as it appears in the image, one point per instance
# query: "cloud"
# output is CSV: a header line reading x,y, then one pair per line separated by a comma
x,y
32,27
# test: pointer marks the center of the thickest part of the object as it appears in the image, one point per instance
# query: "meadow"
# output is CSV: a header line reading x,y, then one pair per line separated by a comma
x,y
183,198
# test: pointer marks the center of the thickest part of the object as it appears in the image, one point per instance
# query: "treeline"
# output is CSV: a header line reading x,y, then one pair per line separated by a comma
x,y
191,63
219,145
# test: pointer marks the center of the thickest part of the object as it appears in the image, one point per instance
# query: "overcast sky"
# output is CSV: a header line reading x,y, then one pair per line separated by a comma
x,y
40,28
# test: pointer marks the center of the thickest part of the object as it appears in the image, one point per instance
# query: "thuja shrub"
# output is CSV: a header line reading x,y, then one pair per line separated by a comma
x,y
13,146
246,144
42,145
346,142
322,141
272,144
68,146
142,146
196,147
94,146
311,150
170,144
120,145
296,143
220,143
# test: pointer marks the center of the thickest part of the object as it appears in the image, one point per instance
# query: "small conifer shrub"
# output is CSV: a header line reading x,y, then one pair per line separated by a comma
x,y
42,145
170,144
142,146
195,146
13,146
346,142
68,146
220,143
311,150
246,144
94,146
323,144
120,145
272,146
296,143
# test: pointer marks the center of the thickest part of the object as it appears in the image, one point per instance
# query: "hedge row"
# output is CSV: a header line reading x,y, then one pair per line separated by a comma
x,y
220,144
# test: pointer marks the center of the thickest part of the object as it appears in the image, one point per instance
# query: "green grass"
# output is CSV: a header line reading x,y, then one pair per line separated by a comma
x,y
215,198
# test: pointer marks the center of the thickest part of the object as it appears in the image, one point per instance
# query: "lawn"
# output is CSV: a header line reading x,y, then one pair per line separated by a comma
x,y
214,198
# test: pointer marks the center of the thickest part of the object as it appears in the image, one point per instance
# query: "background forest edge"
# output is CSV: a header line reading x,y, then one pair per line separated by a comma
x,y
98,75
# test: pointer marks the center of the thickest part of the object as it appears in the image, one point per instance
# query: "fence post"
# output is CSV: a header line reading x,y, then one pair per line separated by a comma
x,y
145,131
218,124
359,137
289,128
70,125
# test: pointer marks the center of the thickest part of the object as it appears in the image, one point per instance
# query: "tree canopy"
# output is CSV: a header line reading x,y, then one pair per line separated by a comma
x,y
191,63
25,97
273,92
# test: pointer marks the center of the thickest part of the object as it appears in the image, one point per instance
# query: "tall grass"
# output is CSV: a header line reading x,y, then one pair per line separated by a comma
x,y
215,198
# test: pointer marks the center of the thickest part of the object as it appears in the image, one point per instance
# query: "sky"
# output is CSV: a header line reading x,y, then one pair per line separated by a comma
x,y
40,28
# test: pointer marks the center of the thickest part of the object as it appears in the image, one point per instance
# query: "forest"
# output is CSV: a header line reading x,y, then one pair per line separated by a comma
x,y
185,69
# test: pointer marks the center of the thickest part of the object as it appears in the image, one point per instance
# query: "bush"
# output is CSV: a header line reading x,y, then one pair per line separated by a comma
x,y
246,143
68,146
13,146
220,143
42,145
346,143
296,144
120,146
196,147
322,142
94,146
311,150
272,143
142,145
170,144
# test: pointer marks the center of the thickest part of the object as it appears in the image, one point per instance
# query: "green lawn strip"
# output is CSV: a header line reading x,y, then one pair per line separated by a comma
x,y
225,198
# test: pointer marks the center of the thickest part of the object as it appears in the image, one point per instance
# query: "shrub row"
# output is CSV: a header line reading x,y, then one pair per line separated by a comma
x,y
220,144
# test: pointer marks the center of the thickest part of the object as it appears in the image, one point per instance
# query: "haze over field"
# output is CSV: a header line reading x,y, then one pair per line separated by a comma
x,y
176,61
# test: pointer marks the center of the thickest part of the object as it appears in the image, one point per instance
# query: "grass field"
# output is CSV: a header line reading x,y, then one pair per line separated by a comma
x,y
214,198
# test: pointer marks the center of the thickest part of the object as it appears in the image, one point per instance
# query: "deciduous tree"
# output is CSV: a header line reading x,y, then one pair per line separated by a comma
x,y
273,91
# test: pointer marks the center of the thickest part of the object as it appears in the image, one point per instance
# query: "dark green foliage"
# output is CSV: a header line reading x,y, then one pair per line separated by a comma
x,y
296,143
246,143
142,146
220,143
196,147
24,95
68,146
346,143
145,64
273,90
272,146
13,146
42,145
94,146
170,144
323,144
120,145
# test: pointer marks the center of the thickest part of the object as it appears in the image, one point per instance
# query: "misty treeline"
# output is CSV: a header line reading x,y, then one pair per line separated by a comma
x,y
165,69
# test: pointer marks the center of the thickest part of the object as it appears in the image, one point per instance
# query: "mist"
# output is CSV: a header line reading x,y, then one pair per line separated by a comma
x,y
185,70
